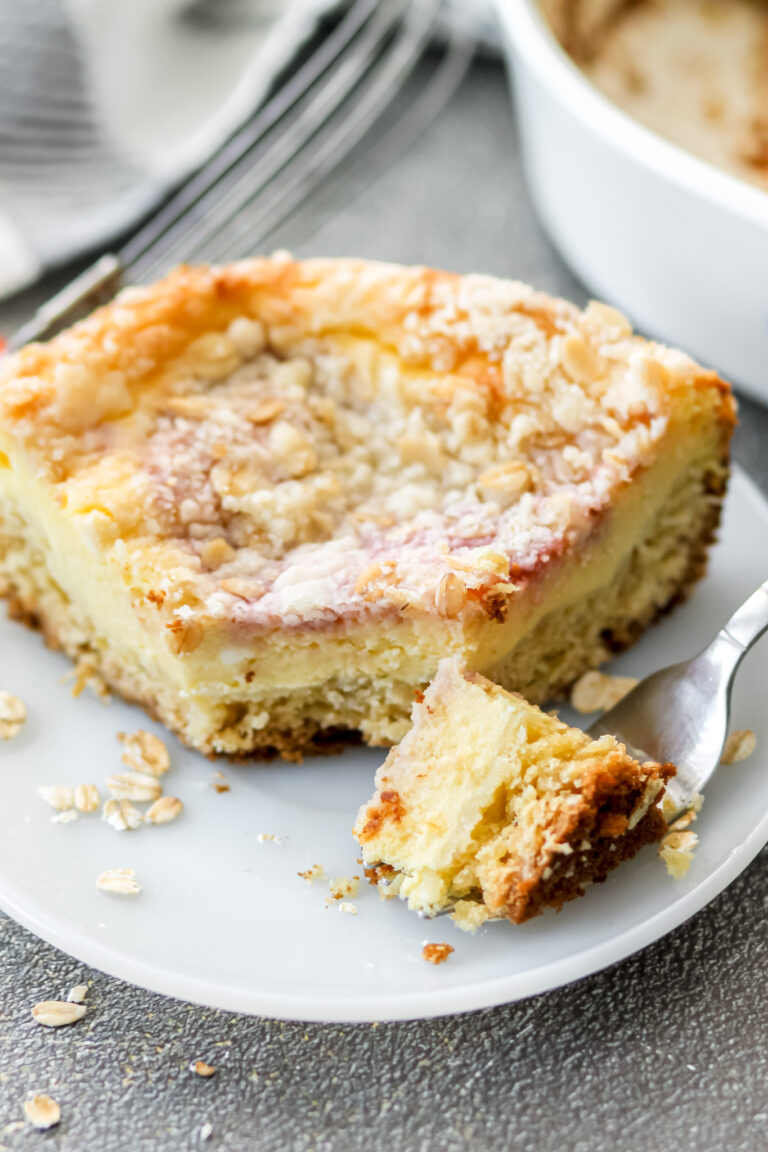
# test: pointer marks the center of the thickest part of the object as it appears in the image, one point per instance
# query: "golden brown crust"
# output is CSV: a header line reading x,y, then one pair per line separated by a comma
x,y
144,329
87,405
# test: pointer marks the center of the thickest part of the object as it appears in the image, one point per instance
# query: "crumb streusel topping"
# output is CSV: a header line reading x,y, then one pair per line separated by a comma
x,y
278,479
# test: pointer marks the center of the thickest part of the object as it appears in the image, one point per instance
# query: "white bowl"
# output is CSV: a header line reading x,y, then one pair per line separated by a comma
x,y
678,245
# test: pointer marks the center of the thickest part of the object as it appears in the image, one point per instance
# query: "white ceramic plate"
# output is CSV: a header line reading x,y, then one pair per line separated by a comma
x,y
225,920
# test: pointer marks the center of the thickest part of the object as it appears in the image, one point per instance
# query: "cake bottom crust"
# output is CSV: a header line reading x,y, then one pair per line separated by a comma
x,y
565,881
598,838
661,571
569,880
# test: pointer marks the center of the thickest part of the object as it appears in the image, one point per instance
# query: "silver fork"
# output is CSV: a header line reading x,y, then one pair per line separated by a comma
x,y
680,714
276,160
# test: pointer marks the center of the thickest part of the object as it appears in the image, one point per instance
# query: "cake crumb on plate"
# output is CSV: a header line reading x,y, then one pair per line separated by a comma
x,y
436,953
344,886
677,852
13,713
58,796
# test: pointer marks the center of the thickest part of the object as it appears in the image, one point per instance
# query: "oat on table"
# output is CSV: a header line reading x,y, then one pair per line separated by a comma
x,y
42,1111
57,1013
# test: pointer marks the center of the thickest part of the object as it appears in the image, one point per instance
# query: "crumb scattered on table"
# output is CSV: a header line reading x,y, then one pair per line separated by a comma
x,y
41,1111
200,1068
316,872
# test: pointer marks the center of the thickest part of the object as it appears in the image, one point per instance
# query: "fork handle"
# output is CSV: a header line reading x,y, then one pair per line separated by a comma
x,y
95,285
748,622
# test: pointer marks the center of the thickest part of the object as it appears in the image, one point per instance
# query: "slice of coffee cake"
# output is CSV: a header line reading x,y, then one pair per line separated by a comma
x,y
493,808
264,500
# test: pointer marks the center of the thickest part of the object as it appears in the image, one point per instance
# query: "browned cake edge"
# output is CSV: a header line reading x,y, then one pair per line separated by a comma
x,y
598,836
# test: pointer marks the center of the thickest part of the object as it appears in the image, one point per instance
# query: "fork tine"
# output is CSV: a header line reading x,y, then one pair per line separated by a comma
x,y
285,197
370,83
247,175
296,88
340,134
422,109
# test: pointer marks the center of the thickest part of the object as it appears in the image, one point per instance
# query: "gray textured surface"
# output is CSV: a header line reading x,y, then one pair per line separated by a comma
x,y
664,1051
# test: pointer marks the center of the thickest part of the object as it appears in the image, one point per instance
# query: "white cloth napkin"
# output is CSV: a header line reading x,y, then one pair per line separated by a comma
x,y
105,106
